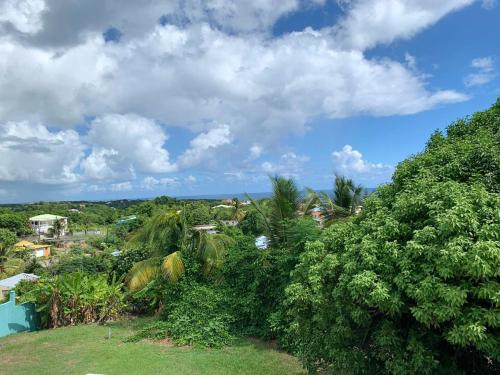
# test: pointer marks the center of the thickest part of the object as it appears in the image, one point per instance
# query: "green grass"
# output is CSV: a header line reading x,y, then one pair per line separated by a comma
x,y
87,349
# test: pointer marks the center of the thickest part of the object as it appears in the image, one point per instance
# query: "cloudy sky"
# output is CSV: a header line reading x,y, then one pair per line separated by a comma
x,y
104,99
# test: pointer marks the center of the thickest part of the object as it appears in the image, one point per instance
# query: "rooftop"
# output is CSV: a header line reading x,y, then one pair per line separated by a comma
x,y
46,217
12,281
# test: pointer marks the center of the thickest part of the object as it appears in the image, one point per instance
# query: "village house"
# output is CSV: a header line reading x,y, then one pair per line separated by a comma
x,y
41,224
35,250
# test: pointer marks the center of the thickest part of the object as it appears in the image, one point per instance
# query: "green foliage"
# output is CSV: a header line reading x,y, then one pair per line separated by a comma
x,y
74,298
198,318
7,239
411,285
197,213
122,264
15,222
83,263
253,224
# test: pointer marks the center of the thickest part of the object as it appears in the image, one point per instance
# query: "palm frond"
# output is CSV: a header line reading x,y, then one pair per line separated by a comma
x,y
310,201
142,273
260,210
211,249
173,266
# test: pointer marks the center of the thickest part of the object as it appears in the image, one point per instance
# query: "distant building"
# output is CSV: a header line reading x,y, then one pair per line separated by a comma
x,y
74,210
317,215
42,224
223,206
208,228
126,220
11,282
230,223
262,242
36,251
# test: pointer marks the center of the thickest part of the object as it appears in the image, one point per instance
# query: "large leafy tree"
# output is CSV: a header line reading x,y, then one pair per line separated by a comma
x,y
411,286
168,237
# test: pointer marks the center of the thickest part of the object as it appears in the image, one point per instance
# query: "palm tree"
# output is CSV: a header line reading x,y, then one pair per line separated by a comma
x,y
284,204
238,213
168,237
57,228
346,194
346,198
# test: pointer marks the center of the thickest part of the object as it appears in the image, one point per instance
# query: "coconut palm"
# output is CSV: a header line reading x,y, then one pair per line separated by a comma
x,y
284,204
238,213
168,237
344,202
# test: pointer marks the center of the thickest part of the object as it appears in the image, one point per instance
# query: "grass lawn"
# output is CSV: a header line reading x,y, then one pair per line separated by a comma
x,y
86,349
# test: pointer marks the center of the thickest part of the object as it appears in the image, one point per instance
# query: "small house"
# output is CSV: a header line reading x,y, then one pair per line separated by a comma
x,y
35,250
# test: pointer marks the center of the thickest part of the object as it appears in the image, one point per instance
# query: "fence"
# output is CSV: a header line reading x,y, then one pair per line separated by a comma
x,y
17,318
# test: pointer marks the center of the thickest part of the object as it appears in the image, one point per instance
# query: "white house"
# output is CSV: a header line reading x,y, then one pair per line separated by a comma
x,y
41,224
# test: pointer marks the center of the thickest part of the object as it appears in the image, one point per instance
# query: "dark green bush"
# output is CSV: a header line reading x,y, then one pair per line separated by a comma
x,y
199,318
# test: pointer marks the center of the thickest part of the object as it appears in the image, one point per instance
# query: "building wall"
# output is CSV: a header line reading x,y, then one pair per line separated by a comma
x,y
17,318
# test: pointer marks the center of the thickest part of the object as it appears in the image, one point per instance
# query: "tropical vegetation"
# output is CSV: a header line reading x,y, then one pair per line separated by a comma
x,y
404,280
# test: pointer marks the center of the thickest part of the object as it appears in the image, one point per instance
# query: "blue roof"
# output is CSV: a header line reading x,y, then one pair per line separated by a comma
x,y
12,281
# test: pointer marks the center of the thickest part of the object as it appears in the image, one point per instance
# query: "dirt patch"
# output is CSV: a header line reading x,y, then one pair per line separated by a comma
x,y
166,342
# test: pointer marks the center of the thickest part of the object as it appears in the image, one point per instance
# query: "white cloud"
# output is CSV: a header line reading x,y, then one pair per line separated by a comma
x,y
255,152
204,147
213,62
289,165
152,183
125,143
121,186
484,71
350,162
190,179
371,22
23,15
32,153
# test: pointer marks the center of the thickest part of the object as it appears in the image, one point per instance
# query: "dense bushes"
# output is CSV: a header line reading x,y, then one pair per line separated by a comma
x,y
411,286
82,263
74,298
194,314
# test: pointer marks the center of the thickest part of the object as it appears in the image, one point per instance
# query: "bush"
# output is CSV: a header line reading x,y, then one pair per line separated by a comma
x,y
83,263
411,286
199,318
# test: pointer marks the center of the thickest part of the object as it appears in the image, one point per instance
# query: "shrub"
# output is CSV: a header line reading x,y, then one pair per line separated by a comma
x,y
83,263
199,318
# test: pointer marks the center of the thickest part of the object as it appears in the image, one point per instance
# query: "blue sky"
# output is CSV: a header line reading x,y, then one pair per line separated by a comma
x,y
188,97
